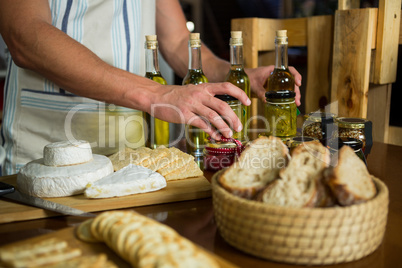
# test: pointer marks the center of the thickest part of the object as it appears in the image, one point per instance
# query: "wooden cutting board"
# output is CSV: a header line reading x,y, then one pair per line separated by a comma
x,y
180,190
89,249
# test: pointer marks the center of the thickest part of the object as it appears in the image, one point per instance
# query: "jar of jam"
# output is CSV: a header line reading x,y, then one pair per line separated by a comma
x,y
319,125
281,112
357,128
336,144
221,154
237,108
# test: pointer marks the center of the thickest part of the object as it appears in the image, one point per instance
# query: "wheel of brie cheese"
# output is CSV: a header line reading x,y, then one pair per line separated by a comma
x,y
65,153
67,175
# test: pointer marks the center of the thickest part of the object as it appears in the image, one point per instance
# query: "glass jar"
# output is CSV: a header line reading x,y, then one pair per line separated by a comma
x,y
221,154
238,109
336,144
319,125
281,112
294,142
357,128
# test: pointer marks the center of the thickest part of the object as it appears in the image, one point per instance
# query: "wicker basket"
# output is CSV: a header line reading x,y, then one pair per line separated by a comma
x,y
301,236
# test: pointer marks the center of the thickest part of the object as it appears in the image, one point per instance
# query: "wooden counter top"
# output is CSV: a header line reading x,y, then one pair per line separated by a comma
x,y
195,220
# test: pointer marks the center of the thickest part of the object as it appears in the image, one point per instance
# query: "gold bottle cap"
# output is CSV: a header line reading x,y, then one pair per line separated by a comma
x,y
236,38
195,40
281,37
151,42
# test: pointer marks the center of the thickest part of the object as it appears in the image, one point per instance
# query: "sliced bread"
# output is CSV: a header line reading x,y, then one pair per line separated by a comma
x,y
297,183
350,180
258,165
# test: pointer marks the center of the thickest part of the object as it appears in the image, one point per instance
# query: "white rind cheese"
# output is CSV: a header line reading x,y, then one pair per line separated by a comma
x,y
131,179
66,153
38,179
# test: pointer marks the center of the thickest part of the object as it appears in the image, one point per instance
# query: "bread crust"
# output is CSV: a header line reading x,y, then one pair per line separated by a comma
x,y
341,179
259,177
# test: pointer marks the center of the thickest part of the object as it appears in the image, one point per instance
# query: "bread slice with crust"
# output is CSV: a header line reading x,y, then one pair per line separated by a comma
x,y
297,184
258,165
350,180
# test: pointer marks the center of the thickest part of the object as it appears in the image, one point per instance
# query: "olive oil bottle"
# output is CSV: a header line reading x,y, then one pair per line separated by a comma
x,y
195,137
238,77
281,79
280,107
158,130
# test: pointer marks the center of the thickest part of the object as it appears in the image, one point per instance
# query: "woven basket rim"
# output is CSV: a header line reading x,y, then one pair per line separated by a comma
x,y
382,193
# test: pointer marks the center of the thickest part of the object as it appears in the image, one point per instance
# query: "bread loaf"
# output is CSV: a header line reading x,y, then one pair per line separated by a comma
x,y
297,183
258,165
350,180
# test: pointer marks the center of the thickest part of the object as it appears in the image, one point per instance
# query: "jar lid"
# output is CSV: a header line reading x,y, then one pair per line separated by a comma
x,y
221,144
281,94
351,122
337,144
226,97
301,139
318,116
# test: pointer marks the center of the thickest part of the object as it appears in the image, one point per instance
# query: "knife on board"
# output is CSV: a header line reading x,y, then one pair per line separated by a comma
x,y
8,191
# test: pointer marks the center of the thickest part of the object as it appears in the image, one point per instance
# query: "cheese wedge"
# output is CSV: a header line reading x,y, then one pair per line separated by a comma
x,y
131,179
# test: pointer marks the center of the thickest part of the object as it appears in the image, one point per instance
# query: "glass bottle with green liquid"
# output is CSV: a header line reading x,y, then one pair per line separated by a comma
x,y
195,137
238,77
280,108
158,130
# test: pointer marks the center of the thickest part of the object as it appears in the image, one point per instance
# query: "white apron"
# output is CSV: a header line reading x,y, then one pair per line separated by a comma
x,y
37,111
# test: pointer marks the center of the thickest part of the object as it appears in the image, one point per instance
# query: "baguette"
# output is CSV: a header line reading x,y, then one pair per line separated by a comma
x,y
350,180
258,165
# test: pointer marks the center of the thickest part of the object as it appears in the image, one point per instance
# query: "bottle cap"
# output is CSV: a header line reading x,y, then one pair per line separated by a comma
x,y
150,37
236,38
195,40
151,42
281,33
281,37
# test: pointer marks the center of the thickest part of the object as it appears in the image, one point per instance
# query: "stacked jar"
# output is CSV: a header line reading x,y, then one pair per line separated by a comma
x,y
320,126
281,113
356,128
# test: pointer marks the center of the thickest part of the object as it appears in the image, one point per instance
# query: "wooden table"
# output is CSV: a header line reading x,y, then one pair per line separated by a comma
x,y
195,220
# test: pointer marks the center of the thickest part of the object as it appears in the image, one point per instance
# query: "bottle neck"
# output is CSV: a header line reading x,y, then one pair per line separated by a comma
x,y
194,60
236,56
281,56
151,61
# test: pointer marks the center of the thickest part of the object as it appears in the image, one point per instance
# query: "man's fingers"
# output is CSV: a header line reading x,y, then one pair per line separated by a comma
x,y
220,109
296,75
229,89
198,122
217,120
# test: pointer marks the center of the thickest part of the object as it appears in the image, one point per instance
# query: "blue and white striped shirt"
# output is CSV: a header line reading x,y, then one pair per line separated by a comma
x,y
37,111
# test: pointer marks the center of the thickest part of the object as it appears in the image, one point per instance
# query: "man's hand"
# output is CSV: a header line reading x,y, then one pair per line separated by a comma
x,y
197,106
258,77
